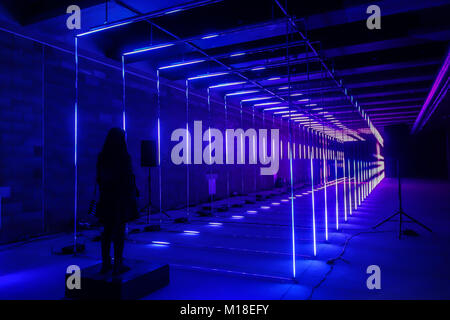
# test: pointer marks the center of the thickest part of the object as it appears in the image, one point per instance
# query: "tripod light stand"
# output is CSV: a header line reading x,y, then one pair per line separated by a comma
x,y
400,213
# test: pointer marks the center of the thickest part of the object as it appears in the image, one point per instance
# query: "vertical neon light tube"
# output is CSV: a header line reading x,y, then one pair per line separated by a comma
x,y
291,170
242,150
208,91
311,156
336,185
321,174
254,148
226,151
361,170
371,174
292,198
75,205
43,146
350,204
363,175
209,124
159,139
359,182
123,96
345,187
365,179
354,185
324,150
187,148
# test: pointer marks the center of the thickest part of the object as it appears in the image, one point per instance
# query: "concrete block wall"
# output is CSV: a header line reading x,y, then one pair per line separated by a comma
x,y
37,137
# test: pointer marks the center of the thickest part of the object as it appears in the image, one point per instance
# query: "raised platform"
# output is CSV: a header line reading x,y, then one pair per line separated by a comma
x,y
143,279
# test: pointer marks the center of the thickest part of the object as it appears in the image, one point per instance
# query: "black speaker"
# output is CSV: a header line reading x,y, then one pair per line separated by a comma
x,y
149,155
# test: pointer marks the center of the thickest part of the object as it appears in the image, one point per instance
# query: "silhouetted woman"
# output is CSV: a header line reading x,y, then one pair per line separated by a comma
x,y
117,201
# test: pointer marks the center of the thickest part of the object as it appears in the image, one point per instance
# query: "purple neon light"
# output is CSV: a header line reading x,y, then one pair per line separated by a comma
x,y
432,92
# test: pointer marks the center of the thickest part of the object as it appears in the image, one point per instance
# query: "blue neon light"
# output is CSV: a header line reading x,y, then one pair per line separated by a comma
x,y
210,36
237,54
103,28
215,224
227,84
241,93
180,64
208,75
151,48
123,95
312,200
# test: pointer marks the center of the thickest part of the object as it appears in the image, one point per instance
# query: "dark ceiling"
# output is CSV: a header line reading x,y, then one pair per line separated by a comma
x,y
389,72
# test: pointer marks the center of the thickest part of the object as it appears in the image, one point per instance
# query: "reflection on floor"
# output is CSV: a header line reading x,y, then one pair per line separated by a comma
x,y
246,252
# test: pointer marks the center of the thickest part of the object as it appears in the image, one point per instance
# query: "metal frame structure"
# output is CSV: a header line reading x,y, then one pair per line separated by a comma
x,y
318,126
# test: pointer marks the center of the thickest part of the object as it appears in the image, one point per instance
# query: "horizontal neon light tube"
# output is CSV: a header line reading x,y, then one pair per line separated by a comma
x,y
173,11
284,200
215,224
283,88
274,78
191,232
208,75
296,94
282,112
227,84
103,28
161,242
149,49
210,36
241,92
256,99
265,207
275,203
180,64
274,108
252,211
258,68
292,115
237,217
237,54
267,103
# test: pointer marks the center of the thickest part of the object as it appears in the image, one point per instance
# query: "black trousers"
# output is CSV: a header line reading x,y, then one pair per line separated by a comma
x,y
113,233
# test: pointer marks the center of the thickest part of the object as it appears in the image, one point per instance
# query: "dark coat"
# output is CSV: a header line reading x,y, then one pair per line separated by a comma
x,y
118,193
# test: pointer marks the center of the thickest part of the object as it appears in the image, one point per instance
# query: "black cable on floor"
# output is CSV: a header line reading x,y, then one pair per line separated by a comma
x,y
332,262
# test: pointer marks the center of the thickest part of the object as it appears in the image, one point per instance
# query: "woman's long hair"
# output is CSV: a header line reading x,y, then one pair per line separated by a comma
x,y
115,148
